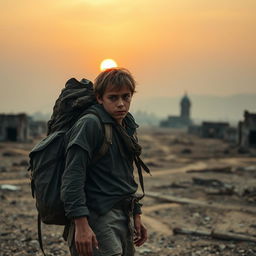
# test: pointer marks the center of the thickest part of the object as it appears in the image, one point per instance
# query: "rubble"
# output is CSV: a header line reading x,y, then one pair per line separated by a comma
x,y
9,187
220,198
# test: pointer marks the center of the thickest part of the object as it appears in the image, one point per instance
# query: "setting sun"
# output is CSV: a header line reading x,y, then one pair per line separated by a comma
x,y
107,63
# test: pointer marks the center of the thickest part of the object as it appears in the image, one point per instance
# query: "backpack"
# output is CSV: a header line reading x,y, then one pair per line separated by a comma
x,y
47,164
47,158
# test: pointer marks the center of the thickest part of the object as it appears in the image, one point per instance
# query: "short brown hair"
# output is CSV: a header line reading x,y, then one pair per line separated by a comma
x,y
116,77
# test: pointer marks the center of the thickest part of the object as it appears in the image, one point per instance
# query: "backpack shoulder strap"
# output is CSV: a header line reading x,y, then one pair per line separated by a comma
x,y
107,141
107,137
39,233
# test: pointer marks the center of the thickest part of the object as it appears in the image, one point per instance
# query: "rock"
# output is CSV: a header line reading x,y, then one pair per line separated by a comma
x,y
196,215
13,202
24,163
9,187
21,163
144,250
3,197
222,247
10,154
231,246
34,243
250,168
197,253
3,169
207,218
186,151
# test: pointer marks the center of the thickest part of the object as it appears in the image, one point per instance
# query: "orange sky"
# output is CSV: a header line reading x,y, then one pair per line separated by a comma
x,y
199,46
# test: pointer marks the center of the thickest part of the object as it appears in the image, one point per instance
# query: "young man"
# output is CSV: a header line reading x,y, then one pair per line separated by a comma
x,y
99,196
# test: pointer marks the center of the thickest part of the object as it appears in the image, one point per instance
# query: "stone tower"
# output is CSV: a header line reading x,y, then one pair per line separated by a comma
x,y
185,105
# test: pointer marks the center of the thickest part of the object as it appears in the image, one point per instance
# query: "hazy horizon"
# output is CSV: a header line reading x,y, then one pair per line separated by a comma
x,y
204,108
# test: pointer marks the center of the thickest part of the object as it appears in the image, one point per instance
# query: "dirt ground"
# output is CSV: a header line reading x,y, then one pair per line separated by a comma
x,y
200,200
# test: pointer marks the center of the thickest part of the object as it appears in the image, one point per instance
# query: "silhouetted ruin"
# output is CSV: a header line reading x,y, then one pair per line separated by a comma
x,y
14,127
20,127
182,121
247,130
214,129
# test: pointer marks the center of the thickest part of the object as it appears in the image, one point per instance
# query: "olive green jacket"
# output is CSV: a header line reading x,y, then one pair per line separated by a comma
x,y
96,186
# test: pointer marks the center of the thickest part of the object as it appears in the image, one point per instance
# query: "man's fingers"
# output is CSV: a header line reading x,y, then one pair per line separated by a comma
x,y
138,231
139,241
83,247
78,248
95,242
88,249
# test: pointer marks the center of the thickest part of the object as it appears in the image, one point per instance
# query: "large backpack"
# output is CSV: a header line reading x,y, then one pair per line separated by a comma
x,y
47,158
47,164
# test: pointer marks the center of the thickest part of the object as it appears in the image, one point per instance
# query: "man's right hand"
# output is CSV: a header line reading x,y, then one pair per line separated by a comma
x,y
85,239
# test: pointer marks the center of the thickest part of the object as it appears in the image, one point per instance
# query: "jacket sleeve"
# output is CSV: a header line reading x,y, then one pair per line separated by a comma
x,y
83,141
73,179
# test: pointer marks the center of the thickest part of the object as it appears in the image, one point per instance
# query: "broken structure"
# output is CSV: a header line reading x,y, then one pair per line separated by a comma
x,y
14,127
182,121
247,130
20,128
215,130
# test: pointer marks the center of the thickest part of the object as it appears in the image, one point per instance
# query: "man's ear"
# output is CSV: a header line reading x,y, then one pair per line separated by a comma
x,y
99,99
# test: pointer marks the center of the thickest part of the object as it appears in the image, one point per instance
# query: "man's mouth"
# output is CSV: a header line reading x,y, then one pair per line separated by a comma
x,y
121,112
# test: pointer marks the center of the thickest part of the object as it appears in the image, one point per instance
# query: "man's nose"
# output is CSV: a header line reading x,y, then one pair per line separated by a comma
x,y
120,102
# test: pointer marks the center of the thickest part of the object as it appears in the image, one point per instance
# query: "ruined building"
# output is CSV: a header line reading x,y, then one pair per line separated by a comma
x,y
37,128
14,127
215,130
247,130
182,121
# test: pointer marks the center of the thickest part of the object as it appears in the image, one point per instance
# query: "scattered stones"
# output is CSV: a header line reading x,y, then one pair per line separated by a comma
x,y
222,247
3,169
34,243
231,246
21,163
186,151
9,187
18,233
144,250
208,182
207,218
196,215
10,154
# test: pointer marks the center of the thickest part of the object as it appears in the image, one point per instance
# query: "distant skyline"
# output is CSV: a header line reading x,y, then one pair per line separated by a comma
x,y
202,47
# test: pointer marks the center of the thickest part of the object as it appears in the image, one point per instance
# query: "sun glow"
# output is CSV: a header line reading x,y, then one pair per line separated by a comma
x,y
107,63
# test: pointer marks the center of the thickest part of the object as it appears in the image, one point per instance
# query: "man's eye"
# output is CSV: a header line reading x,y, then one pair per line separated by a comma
x,y
112,97
127,97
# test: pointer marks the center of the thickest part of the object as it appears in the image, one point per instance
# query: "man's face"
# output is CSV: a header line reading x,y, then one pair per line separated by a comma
x,y
116,102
